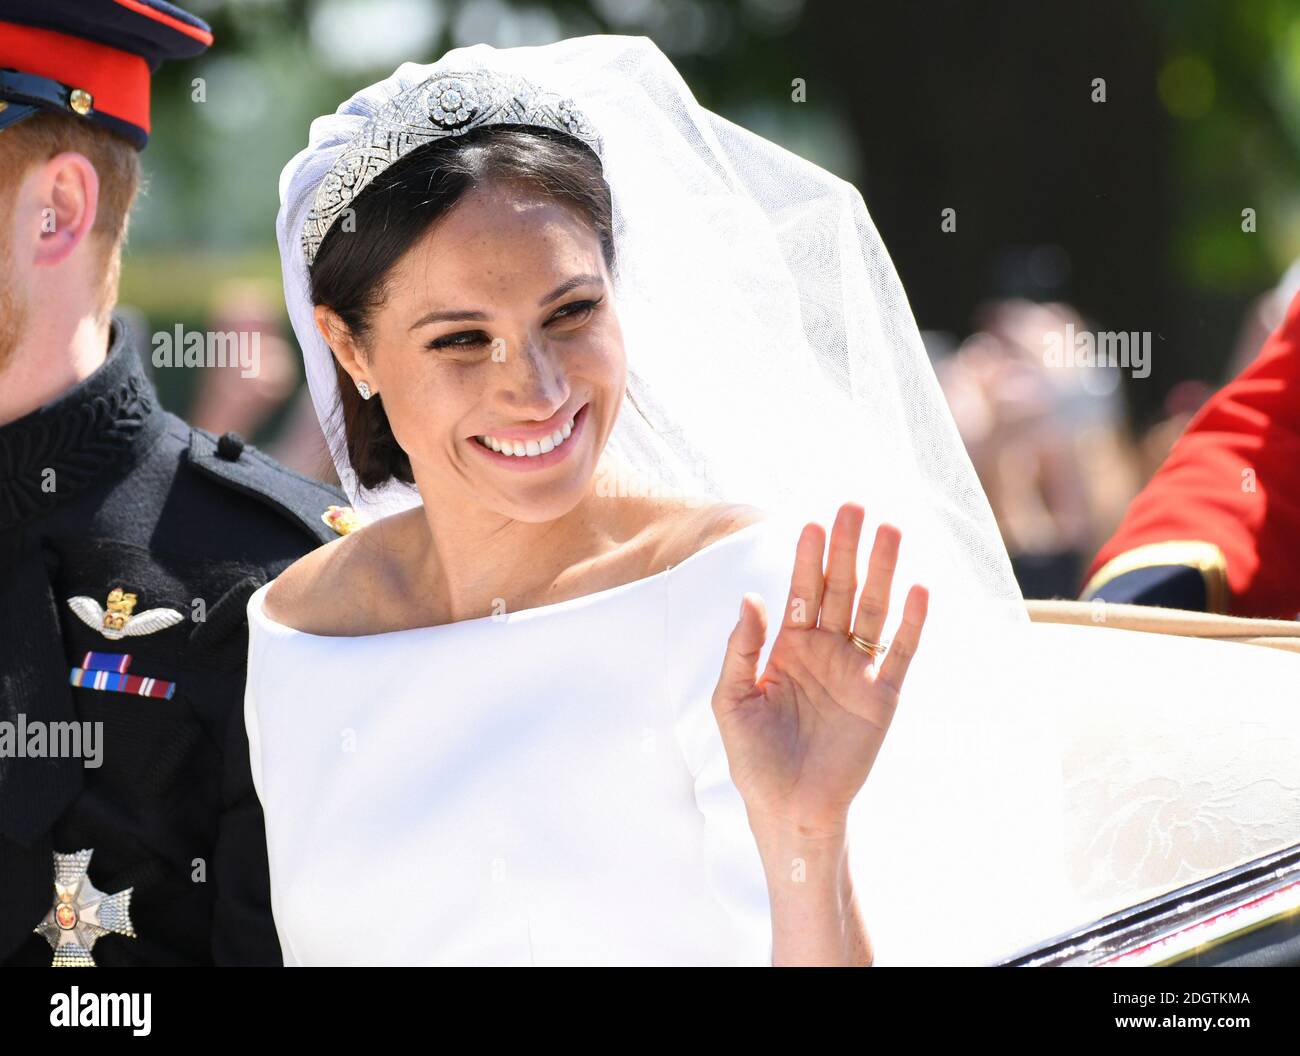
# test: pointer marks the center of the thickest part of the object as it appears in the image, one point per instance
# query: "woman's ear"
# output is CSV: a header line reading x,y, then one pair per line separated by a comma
x,y
341,342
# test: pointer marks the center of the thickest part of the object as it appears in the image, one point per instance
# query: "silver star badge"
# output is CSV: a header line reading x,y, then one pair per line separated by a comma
x,y
81,914
116,621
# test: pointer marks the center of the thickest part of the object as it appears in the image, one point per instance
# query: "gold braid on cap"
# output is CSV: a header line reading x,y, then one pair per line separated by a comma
x,y
447,104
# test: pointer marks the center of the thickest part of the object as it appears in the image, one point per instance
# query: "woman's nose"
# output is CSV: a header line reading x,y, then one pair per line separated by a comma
x,y
534,382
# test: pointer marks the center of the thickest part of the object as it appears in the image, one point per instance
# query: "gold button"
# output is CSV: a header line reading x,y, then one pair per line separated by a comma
x,y
81,100
3,106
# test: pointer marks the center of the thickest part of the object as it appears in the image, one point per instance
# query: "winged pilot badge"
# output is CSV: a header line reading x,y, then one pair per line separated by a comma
x,y
119,620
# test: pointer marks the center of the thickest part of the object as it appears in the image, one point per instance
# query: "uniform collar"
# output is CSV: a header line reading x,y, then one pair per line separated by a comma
x,y
90,435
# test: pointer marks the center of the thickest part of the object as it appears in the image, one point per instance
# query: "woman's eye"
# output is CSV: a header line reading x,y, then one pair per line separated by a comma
x,y
577,309
467,339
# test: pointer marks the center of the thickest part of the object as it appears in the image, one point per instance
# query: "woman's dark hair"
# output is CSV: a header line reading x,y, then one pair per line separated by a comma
x,y
352,266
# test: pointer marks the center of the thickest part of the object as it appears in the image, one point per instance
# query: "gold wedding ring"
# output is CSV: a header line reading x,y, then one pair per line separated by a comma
x,y
870,648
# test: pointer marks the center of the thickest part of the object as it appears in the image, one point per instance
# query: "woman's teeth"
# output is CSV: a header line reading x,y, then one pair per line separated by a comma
x,y
528,448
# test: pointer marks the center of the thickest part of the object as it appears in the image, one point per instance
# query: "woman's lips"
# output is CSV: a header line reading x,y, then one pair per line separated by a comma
x,y
526,463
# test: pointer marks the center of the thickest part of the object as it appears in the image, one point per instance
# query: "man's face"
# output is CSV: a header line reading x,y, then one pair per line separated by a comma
x,y
13,290
50,164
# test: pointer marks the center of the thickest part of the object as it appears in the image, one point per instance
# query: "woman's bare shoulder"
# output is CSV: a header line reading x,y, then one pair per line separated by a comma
x,y
717,522
328,591
299,596
684,529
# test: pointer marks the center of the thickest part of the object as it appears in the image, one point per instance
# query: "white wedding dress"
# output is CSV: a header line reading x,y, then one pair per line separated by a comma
x,y
549,787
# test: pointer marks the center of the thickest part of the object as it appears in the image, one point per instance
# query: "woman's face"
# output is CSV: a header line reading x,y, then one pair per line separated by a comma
x,y
498,333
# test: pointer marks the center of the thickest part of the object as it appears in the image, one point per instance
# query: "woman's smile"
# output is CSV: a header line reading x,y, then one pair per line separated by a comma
x,y
523,451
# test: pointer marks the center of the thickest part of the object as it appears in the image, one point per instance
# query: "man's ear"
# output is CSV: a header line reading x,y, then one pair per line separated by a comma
x,y
64,200
340,340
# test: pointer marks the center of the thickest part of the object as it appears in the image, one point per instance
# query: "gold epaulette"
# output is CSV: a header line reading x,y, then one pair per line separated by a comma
x,y
1205,557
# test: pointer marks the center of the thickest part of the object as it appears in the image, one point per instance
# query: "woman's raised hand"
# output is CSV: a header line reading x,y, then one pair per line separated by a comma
x,y
801,739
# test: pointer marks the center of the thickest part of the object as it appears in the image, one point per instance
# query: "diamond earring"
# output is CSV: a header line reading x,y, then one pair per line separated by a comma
x,y
364,389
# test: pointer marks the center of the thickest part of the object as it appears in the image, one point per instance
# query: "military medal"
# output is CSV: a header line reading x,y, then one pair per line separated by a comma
x,y
81,914
108,671
116,620
137,685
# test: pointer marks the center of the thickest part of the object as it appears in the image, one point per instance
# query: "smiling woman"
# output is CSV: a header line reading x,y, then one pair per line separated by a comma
x,y
432,227
469,308
461,284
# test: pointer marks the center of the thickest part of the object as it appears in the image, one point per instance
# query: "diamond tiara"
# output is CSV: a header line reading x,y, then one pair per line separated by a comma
x,y
448,104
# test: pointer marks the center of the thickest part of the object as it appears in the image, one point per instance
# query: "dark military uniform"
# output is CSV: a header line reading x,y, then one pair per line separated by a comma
x,y
103,490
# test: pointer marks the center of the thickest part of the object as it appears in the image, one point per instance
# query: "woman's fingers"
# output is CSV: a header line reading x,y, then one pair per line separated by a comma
x,y
842,570
805,598
903,647
740,661
873,606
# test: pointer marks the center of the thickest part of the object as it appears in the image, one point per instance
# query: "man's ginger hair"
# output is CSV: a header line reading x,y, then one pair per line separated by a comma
x,y
117,163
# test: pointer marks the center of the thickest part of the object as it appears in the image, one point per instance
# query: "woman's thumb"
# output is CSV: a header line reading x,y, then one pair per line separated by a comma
x,y
740,663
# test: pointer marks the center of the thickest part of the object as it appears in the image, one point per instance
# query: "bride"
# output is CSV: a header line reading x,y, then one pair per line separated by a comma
x,y
591,361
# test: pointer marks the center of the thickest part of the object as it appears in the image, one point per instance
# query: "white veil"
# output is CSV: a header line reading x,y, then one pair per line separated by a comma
x,y
744,271
774,360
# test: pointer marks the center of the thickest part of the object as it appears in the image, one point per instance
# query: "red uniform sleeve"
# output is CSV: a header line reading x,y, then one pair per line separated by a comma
x,y
1232,480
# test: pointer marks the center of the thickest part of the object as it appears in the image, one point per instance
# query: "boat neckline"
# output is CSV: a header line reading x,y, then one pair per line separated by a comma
x,y
258,614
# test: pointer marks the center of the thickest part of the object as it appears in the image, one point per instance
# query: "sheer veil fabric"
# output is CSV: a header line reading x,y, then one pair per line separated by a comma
x,y
774,360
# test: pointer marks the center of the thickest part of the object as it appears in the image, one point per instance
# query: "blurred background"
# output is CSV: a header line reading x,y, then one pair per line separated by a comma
x,y
1117,166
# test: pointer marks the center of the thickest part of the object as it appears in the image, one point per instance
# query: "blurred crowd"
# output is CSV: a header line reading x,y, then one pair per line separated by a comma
x,y
1052,442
